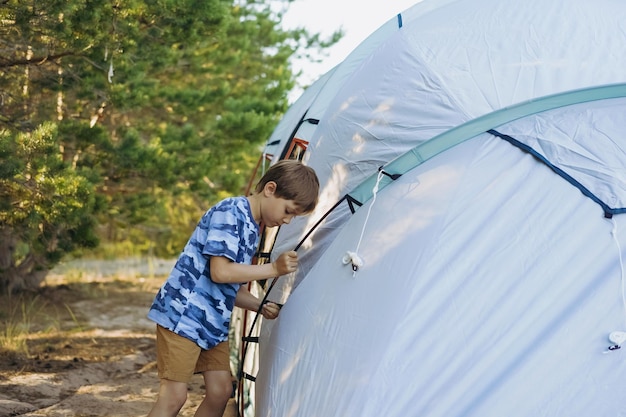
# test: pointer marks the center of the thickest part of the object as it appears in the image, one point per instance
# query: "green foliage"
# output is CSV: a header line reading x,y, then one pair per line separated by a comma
x,y
47,208
127,119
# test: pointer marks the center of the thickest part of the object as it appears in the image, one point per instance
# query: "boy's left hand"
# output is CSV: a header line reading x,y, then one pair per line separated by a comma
x,y
270,310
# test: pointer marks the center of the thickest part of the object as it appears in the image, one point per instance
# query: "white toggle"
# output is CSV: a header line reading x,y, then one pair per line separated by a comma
x,y
353,259
617,337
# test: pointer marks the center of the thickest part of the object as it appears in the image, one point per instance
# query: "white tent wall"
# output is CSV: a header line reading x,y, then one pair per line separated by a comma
x,y
443,67
592,153
449,63
354,137
292,119
489,287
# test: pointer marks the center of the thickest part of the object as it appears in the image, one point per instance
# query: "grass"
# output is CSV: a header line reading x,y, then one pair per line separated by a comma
x,y
47,312
24,315
18,316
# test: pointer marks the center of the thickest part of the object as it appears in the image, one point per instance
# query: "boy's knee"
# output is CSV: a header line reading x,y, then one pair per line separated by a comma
x,y
172,396
179,398
219,391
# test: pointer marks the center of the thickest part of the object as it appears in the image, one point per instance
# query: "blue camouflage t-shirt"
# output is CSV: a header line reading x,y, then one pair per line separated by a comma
x,y
190,303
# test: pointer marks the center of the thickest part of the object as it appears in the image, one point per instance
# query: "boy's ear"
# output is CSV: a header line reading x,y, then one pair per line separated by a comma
x,y
270,188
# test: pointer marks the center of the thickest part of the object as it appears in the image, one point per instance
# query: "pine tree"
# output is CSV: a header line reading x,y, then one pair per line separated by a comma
x,y
126,119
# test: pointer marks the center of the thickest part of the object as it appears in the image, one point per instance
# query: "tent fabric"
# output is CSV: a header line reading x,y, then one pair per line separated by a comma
x,y
607,124
450,63
296,113
459,309
489,283
587,152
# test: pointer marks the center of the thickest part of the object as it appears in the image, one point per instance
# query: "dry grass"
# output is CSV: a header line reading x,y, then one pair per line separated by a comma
x,y
42,326
82,346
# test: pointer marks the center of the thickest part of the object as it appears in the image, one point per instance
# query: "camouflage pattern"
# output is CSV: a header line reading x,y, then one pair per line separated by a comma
x,y
190,303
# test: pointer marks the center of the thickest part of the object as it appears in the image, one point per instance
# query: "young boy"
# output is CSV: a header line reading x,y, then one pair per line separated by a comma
x,y
193,308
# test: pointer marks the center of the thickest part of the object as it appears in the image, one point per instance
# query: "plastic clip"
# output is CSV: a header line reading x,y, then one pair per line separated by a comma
x,y
353,259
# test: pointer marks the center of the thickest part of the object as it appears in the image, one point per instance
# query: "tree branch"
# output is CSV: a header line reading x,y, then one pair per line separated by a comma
x,y
34,61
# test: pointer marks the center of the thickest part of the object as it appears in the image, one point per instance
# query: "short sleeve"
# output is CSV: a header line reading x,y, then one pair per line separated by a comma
x,y
224,233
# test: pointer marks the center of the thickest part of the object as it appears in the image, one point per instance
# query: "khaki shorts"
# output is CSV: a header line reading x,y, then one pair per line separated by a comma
x,y
178,358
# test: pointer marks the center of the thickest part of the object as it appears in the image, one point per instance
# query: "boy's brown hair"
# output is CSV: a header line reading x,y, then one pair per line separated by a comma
x,y
294,181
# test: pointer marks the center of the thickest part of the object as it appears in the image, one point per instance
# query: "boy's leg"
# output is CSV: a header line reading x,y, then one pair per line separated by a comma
x,y
176,361
214,364
219,389
172,397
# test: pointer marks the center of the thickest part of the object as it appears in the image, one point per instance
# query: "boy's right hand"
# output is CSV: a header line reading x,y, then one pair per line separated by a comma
x,y
286,263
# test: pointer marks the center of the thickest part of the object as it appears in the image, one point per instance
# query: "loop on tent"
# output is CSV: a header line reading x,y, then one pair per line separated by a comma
x,y
353,259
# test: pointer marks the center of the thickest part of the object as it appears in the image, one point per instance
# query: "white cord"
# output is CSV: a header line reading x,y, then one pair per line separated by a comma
x,y
621,264
618,337
353,257
369,210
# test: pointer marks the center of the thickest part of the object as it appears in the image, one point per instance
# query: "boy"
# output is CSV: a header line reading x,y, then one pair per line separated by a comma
x,y
193,308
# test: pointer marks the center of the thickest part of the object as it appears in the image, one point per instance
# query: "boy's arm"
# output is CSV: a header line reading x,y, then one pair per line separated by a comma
x,y
223,270
246,300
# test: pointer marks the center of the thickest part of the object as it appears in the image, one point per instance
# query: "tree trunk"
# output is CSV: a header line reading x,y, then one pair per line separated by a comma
x,y
27,275
7,249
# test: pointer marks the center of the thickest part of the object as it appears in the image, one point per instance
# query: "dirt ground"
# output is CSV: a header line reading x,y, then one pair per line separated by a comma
x,y
90,351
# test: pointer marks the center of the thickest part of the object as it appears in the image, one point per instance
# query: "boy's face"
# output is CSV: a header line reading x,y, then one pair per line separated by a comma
x,y
276,211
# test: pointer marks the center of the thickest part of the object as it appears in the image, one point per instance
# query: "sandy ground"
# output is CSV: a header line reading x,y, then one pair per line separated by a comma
x,y
105,367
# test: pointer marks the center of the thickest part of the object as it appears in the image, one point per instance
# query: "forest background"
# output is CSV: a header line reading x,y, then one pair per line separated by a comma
x,y
122,121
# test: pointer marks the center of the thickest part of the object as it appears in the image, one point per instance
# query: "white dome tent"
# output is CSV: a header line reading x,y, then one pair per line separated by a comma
x,y
472,158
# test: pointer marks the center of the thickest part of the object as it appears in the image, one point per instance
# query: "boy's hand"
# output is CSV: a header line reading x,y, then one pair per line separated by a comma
x,y
286,263
270,310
